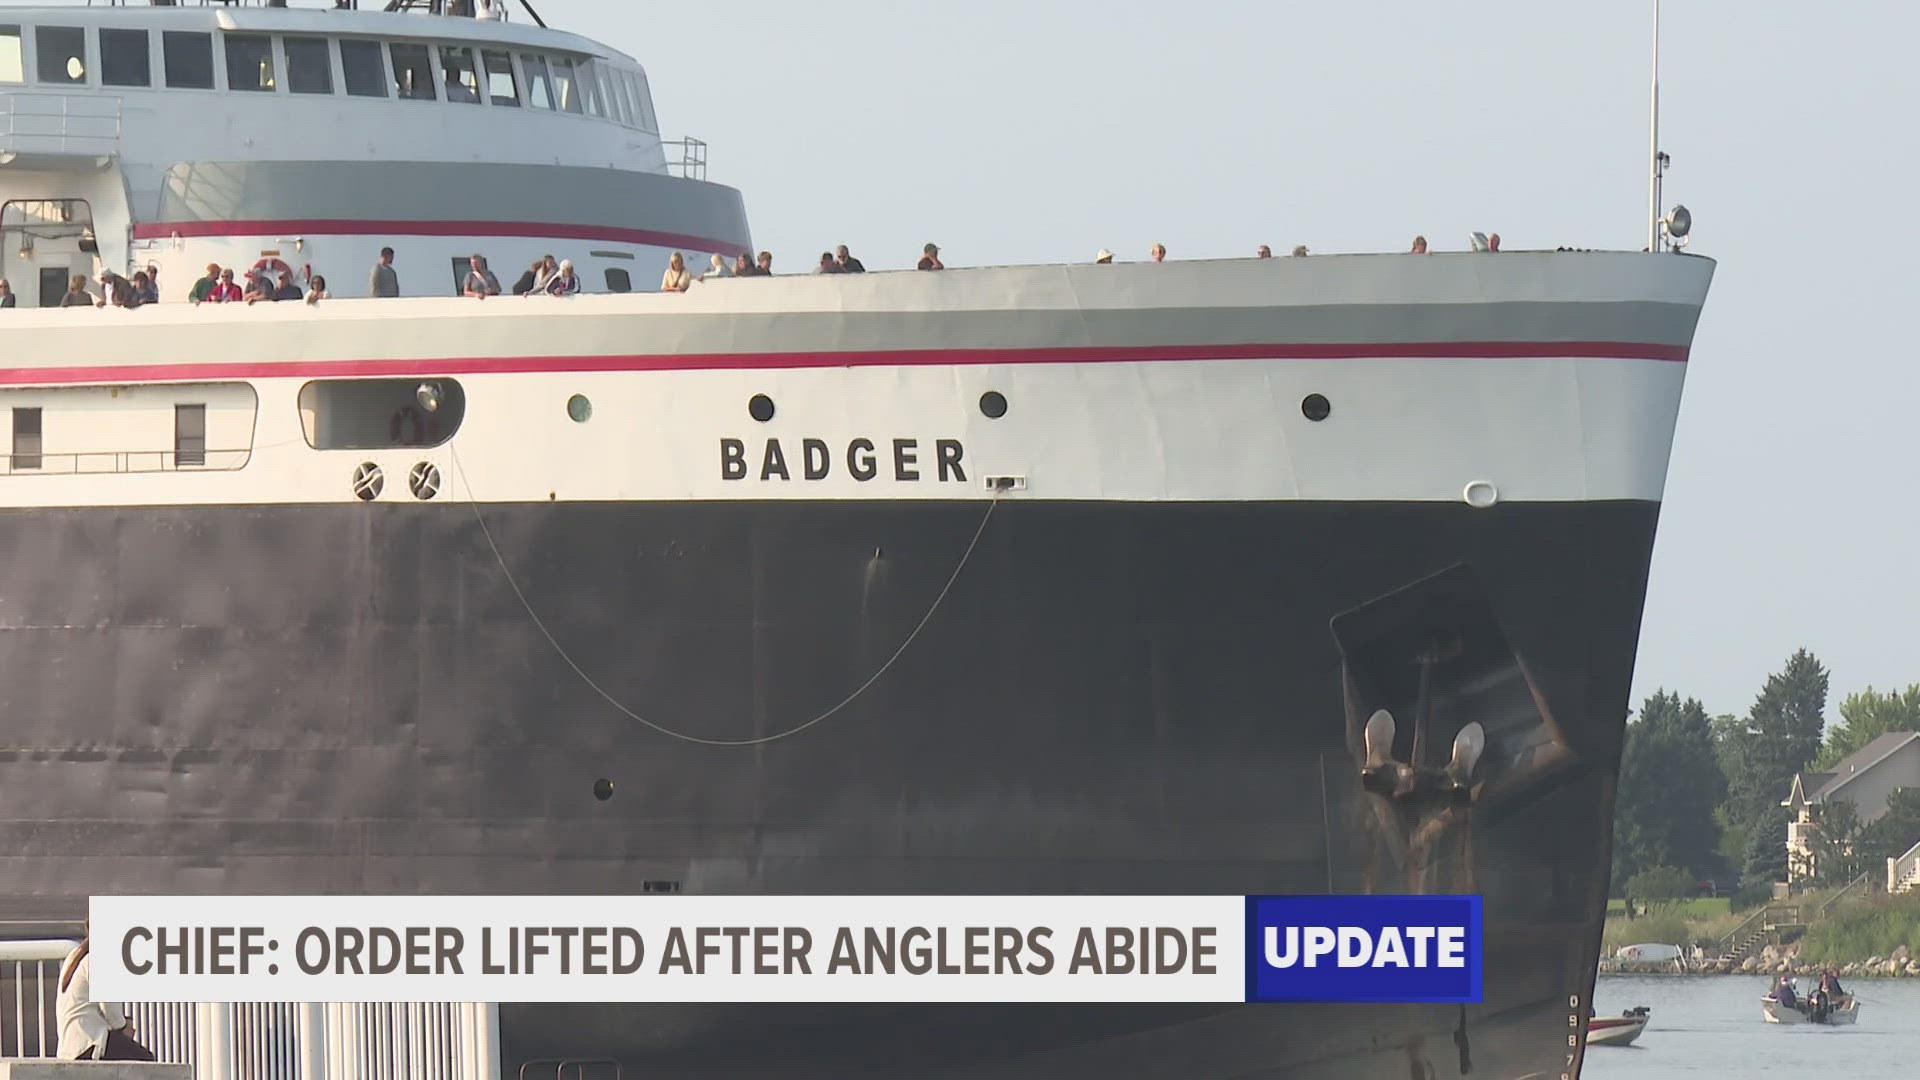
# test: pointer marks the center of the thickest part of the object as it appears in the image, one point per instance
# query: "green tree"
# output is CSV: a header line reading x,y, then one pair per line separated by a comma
x,y
1834,854
1766,854
1894,832
1661,883
1866,716
1780,737
1670,785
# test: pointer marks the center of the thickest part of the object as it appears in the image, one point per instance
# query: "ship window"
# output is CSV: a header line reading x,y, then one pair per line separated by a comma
x,y
62,54
648,119
249,62
412,72
12,60
376,414
618,280
617,80
500,84
189,435
362,69
565,95
189,59
462,84
539,92
123,58
309,67
589,83
26,438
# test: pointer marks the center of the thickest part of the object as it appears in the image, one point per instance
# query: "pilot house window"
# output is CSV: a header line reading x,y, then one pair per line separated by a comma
x,y
26,438
123,58
462,84
12,61
189,58
500,85
365,72
62,54
412,72
309,65
249,62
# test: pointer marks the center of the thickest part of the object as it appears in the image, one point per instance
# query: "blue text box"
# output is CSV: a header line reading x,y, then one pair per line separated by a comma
x,y
1363,948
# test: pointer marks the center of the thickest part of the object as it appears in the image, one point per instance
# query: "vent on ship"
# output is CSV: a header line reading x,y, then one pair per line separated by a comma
x,y
378,414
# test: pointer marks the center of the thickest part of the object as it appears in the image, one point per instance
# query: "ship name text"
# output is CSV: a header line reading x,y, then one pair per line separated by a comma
x,y
901,460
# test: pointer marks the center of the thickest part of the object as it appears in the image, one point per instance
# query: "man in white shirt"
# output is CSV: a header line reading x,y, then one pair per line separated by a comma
x,y
92,1030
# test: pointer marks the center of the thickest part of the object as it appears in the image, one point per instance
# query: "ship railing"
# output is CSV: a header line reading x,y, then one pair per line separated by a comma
x,y
67,125
125,461
693,158
1903,871
262,1040
432,7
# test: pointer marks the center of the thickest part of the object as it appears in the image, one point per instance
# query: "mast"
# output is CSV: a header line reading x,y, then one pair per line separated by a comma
x,y
1653,135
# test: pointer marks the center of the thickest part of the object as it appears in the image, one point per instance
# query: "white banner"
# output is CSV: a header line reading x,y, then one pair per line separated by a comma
x,y
670,948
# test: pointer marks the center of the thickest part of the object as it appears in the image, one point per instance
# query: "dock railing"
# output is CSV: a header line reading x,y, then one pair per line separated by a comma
x,y
262,1041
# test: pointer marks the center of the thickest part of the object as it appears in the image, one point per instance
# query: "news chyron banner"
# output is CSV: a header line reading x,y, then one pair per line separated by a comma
x,y
787,948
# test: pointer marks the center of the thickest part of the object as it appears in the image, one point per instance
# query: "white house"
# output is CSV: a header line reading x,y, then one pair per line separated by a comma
x,y
1864,778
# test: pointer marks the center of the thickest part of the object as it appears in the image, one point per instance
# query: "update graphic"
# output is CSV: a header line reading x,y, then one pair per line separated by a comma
x,y
775,948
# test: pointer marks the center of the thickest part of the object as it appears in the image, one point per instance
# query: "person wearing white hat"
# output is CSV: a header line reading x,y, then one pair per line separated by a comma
x,y
1104,256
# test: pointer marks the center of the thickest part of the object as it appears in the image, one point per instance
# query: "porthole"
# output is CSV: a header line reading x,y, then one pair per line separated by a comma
x,y
579,408
993,404
1315,407
760,407
603,789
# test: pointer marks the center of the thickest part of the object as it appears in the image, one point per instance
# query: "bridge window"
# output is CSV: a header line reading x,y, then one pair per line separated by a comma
x,y
249,62
62,54
539,90
462,84
648,120
189,58
565,93
11,58
123,58
412,72
26,439
617,85
589,84
309,66
375,414
364,71
500,84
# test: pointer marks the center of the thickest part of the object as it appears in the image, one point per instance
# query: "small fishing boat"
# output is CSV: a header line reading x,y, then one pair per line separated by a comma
x,y
1617,1030
1844,1010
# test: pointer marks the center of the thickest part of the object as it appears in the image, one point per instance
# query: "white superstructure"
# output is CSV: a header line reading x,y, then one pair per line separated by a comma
x,y
174,136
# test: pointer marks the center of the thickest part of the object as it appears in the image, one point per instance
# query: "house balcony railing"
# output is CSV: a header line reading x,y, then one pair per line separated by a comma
x,y
1903,872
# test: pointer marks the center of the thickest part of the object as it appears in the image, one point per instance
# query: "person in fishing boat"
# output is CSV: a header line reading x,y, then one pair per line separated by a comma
x,y
92,1030
1783,993
1830,982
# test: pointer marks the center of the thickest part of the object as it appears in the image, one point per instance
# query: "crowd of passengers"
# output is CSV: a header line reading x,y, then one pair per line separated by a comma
x,y
546,277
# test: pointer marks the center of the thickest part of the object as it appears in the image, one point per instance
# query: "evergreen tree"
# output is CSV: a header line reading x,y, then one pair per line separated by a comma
x,y
1780,738
1670,784
1866,716
1766,856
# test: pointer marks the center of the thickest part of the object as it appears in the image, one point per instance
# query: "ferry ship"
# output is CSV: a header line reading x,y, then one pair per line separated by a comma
x,y
1302,575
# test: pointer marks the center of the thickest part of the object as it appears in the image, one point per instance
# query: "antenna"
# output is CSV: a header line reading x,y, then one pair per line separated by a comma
x,y
1653,135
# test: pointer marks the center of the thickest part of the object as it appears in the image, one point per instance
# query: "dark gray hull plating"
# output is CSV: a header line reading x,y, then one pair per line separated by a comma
x,y
1112,698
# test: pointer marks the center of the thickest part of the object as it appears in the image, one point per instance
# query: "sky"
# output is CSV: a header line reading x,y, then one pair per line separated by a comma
x,y
1045,130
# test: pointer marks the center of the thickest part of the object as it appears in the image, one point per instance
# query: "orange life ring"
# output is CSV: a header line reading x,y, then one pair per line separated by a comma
x,y
272,267
407,426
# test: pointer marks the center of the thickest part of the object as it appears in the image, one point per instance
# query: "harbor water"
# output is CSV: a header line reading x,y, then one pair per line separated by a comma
x,y
1710,1025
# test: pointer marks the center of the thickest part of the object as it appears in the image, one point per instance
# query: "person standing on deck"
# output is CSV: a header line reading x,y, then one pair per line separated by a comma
x,y
384,281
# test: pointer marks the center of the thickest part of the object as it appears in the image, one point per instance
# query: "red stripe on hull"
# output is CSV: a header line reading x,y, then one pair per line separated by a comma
x,y
501,365
161,230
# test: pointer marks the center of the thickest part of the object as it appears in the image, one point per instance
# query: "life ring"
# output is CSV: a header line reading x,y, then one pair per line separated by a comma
x,y
408,427
271,269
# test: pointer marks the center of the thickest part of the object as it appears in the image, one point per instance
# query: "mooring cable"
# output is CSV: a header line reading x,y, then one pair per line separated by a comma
x,y
965,557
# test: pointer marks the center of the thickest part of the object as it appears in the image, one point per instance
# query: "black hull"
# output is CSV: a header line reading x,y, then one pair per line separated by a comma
x,y
1112,698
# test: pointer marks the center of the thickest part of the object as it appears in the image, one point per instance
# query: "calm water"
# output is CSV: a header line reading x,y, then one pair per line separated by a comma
x,y
1710,1026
